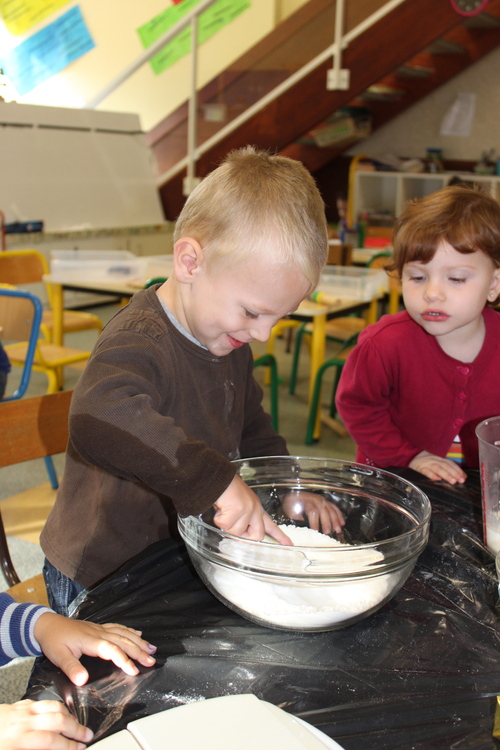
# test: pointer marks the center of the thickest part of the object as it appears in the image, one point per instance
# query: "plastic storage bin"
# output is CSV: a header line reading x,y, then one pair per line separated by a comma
x,y
95,265
352,282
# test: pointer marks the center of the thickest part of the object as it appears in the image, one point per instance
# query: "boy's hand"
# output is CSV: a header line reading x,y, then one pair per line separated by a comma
x,y
321,515
239,512
64,641
31,725
436,468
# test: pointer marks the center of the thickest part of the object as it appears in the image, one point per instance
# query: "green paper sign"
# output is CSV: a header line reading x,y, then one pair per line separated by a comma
x,y
209,23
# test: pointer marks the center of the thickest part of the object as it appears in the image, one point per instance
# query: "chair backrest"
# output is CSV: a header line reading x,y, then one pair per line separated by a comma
x,y
382,260
34,427
30,428
21,267
20,318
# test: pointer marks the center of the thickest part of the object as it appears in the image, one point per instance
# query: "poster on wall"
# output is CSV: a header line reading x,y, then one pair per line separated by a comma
x,y
21,15
47,52
210,22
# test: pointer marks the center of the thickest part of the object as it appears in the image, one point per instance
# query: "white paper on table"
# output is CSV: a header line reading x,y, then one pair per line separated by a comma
x,y
458,119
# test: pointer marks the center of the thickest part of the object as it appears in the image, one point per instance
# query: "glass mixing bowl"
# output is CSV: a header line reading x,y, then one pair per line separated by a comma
x,y
307,587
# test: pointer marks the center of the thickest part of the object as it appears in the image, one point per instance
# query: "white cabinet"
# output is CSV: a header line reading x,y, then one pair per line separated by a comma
x,y
382,195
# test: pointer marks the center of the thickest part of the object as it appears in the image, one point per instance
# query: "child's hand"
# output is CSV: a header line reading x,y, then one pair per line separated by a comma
x,y
40,724
239,512
321,515
438,468
64,641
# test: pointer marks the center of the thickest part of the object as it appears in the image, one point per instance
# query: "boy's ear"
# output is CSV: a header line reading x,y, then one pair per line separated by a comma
x,y
188,258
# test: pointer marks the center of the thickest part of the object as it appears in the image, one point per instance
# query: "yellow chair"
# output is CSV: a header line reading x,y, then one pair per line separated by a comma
x,y
48,358
21,267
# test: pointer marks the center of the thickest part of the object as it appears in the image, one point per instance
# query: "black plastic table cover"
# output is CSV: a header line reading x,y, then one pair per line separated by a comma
x,y
422,672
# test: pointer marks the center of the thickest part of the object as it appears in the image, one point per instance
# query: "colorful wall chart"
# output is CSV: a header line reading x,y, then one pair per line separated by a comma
x,y
47,52
212,20
21,15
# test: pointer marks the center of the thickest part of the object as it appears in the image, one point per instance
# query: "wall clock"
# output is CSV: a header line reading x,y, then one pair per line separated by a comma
x,y
469,7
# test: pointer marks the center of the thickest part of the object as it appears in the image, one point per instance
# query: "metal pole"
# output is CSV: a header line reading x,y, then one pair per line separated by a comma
x,y
191,181
338,79
148,54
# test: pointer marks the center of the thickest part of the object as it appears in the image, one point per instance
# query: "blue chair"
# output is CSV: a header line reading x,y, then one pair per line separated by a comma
x,y
20,320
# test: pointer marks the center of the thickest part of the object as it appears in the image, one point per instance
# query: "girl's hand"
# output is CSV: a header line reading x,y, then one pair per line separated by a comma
x,y
64,641
321,515
31,725
436,468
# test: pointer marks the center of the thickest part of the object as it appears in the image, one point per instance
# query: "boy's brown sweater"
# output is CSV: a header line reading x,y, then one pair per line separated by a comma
x,y
154,424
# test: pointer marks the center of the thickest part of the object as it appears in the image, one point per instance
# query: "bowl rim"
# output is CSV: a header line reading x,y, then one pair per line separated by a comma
x,y
340,549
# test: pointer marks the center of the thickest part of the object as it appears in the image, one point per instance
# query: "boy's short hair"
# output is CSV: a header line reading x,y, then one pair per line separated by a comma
x,y
465,217
258,202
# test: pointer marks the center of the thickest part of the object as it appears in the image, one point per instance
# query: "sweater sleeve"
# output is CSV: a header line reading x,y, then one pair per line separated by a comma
x,y
364,402
17,625
116,423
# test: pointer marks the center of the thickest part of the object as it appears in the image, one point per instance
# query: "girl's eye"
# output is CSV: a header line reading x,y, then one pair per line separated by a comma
x,y
416,278
458,281
249,314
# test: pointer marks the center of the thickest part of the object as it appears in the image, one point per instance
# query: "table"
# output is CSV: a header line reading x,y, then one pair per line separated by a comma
x,y
423,672
154,265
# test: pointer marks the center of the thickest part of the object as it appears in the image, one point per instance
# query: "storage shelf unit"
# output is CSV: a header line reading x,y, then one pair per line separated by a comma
x,y
385,193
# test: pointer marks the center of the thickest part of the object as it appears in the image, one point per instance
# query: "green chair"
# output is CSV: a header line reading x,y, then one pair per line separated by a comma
x,y
341,330
338,361
155,280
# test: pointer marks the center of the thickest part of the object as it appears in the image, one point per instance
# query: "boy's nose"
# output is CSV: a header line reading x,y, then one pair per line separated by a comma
x,y
261,330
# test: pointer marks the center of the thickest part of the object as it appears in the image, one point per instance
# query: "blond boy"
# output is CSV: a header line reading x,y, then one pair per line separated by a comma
x,y
168,398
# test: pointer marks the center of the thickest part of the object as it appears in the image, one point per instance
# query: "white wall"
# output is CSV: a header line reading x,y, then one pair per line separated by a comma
x,y
75,169
410,134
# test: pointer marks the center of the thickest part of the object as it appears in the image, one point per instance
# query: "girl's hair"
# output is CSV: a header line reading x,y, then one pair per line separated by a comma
x,y
258,203
465,217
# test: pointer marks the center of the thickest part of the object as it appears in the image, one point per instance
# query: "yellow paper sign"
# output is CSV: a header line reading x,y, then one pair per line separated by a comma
x,y
21,15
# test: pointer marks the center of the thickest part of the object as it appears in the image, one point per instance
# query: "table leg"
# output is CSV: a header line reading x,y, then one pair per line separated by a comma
x,y
57,312
372,312
318,340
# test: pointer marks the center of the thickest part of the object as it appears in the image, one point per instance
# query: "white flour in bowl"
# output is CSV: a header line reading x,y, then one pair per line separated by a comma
x,y
295,603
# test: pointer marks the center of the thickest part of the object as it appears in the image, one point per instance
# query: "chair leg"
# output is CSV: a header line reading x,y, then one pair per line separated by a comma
x,y
333,408
315,400
5,560
295,360
49,465
269,361
54,381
